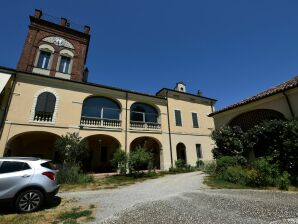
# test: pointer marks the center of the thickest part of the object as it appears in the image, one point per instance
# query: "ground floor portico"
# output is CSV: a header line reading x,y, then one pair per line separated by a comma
x,y
38,141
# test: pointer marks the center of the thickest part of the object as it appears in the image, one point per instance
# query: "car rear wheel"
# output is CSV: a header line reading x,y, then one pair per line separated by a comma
x,y
29,201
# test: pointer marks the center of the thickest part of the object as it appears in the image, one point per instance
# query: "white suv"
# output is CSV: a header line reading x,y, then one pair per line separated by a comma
x,y
27,182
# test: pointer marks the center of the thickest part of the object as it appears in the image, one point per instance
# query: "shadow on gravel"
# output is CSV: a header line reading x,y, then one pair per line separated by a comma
x,y
7,208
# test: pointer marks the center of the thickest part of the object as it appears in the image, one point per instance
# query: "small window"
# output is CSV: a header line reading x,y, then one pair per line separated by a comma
x,y
178,118
195,123
43,60
64,64
12,166
199,151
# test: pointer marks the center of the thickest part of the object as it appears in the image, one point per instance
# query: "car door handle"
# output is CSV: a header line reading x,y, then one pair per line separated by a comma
x,y
26,175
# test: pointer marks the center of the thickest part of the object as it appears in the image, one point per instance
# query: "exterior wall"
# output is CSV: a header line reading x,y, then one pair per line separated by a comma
x,y
69,100
188,135
190,142
276,102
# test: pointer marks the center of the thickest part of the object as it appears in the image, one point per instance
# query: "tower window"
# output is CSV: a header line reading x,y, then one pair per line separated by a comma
x,y
64,64
43,60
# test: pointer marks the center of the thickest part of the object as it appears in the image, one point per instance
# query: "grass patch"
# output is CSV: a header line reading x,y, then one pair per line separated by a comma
x,y
53,215
216,183
75,215
110,182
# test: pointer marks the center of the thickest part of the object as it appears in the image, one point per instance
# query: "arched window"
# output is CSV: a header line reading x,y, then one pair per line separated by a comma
x,y
101,107
45,107
143,113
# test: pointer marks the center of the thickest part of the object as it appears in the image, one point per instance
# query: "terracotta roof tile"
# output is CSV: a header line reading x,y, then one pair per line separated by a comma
x,y
292,83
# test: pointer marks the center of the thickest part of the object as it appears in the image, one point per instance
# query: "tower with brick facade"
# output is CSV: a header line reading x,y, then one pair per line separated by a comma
x,y
55,50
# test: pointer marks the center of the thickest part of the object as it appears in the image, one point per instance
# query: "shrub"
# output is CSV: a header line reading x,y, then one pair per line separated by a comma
x,y
283,181
180,164
72,149
267,172
276,138
210,168
139,159
200,164
224,162
234,174
120,161
73,175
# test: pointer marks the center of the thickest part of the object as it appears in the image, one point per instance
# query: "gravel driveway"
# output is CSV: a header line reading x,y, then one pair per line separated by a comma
x,y
184,199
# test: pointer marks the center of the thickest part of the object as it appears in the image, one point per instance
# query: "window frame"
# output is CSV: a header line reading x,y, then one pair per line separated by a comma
x,y
197,116
68,60
65,53
44,48
176,117
157,113
35,97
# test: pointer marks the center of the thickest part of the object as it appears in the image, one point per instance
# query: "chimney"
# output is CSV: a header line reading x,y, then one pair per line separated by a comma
x,y
86,29
181,87
63,22
38,13
200,93
85,74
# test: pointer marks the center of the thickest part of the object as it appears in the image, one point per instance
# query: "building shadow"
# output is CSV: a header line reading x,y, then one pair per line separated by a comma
x,y
7,208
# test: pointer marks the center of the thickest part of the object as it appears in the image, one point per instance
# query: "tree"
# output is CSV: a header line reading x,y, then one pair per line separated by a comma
x,y
72,149
139,159
120,161
229,141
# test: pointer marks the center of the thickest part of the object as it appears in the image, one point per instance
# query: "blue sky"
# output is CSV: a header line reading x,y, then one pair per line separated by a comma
x,y
229,49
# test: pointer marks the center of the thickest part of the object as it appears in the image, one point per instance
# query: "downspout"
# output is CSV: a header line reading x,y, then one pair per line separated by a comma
x,y
12,88
126,120
169,129
289,104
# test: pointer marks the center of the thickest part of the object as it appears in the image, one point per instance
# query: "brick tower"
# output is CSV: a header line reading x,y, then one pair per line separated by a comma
x,y
55,50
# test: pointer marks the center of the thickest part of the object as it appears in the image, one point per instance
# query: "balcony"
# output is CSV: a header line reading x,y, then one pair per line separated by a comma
x,y
43,117
145,125
96,122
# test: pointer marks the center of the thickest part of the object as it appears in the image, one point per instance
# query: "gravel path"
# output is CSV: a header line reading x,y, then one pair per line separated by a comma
x,y
184,199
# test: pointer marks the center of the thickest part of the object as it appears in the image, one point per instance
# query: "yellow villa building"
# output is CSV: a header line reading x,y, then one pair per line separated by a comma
x,y
48,95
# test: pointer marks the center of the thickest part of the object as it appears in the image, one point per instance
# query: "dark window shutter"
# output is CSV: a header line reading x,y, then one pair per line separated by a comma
x,y
46,103
178,118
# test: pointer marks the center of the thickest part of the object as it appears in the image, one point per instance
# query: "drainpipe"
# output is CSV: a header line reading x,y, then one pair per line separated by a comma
x,y
12,88
126,119
169,126
289,104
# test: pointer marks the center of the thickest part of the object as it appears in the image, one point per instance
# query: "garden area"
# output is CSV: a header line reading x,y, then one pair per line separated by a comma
x,y
264,156
129,168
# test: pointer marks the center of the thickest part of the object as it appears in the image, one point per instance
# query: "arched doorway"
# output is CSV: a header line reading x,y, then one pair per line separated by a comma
x,y
251,118
102,148
32,144
181,152
152,145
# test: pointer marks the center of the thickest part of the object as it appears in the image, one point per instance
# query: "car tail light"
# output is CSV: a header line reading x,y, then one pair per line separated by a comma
x,y
50,175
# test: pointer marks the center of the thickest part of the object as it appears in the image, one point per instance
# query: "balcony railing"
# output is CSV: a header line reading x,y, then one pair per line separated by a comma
x,y
43,117
145,125
100,122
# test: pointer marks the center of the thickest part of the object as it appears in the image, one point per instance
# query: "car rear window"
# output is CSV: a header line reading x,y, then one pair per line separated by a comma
x,y
13,166
48,165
